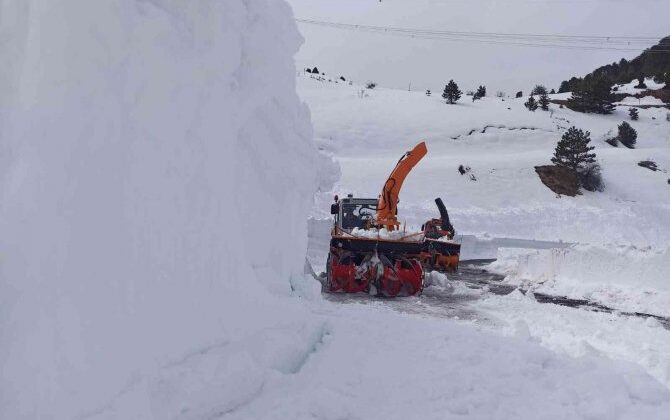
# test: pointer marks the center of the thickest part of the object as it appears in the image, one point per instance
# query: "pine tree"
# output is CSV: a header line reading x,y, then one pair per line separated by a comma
x,y
531,104
592,95
627,135
553,92
451,92
539,90
573,150
640,83
481,91
634,114
428,92
666,79
544,102
519,94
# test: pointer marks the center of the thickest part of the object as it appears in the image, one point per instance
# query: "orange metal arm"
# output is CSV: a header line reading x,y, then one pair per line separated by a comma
x,y
388,200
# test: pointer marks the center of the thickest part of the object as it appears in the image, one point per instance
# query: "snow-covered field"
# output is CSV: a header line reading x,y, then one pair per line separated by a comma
x,y
156,177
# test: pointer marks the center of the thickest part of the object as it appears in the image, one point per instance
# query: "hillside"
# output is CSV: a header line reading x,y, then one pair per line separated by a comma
x,y
653,63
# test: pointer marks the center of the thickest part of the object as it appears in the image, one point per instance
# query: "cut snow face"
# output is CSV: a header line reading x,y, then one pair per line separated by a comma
x,y
155,177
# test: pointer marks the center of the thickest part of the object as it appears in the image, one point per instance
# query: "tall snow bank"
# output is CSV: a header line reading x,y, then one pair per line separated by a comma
x,y
623,277
155,178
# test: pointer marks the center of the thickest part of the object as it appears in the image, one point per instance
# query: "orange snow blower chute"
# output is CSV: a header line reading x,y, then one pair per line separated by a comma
x,y
387,206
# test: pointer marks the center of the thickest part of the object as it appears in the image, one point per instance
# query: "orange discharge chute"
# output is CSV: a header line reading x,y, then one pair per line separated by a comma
x,y
387,205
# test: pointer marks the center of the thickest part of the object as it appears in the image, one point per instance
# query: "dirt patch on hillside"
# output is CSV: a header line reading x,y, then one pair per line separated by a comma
x,y
560,180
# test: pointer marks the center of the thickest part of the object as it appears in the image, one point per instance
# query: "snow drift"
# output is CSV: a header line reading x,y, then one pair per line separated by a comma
x,y
156,171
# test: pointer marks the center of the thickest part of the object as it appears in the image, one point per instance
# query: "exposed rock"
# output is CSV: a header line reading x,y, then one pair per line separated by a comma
x,y
649,164
561,180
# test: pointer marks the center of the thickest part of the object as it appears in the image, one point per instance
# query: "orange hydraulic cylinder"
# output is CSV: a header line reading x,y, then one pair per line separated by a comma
x,y
388,200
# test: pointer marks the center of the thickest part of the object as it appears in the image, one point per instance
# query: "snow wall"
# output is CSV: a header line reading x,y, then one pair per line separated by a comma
x,y
626,278
156,170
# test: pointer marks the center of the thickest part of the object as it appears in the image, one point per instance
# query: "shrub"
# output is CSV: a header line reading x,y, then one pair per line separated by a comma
x,y
627,135
634,114
590,178
531,104
370,85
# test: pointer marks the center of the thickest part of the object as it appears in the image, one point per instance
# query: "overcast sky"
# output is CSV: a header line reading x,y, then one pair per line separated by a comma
x,y
395,61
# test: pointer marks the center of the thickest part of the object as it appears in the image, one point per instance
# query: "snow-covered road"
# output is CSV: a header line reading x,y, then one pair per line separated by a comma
x,y
483,300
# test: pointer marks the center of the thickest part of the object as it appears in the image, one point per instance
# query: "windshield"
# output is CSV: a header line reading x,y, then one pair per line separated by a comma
x,y
357,215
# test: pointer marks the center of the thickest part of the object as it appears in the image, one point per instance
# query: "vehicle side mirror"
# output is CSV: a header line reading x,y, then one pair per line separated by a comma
x,y
334,208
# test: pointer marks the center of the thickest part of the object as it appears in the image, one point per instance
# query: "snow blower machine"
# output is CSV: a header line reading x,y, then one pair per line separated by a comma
x,y
369,253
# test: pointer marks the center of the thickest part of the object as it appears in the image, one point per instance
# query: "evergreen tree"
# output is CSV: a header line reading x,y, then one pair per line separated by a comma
x,y
640,83
573,150
539,90
481,91
592,95
428,92
627,135
666,79
553,92
531,104
544,102
451,92
565,87
519,94
634,114
315,70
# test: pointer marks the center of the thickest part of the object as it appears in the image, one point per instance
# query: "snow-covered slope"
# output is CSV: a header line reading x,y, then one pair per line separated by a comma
x,y
502,142
155,161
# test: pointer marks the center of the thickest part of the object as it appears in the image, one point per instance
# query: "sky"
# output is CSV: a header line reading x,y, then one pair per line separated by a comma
x,y
398,61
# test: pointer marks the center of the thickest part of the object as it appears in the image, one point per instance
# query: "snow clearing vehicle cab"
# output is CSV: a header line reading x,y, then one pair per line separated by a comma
x,y
351,213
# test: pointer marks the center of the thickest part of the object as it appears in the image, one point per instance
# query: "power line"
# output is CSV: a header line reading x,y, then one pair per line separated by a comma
x,y
581,42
